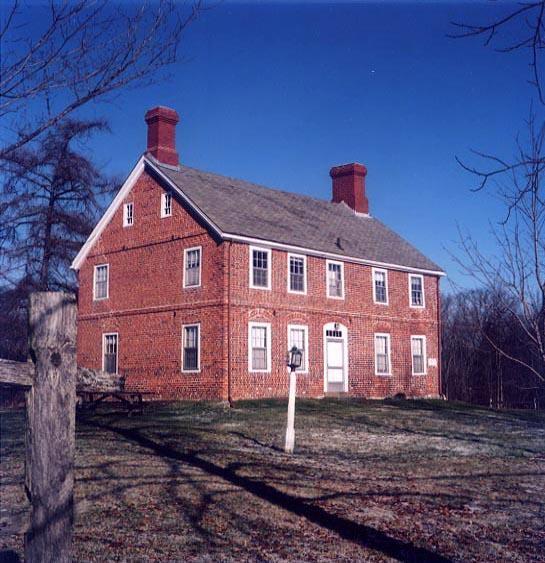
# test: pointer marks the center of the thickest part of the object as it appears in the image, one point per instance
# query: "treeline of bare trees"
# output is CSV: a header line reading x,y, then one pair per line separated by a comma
x,y
478,340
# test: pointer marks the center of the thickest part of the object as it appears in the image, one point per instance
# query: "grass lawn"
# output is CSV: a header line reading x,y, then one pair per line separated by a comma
x,y
407,480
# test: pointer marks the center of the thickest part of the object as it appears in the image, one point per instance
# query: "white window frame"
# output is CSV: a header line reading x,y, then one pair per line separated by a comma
x,y
424,352
163,205
268,341
389,349
303,368
186,252
327,263
95,298
423,292
126,214
251,267
385,272
304,258
191,325
104,335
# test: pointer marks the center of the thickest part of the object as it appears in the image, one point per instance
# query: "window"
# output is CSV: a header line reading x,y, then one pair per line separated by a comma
x,y
335,281
260,268
382,354
192,267
416,290
297,282
191,348
166,205
380,286
128,215
109,352
101,279
418,352
259,347
298,336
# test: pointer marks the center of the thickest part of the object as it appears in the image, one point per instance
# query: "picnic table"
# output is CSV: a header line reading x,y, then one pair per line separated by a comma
x,y
133,400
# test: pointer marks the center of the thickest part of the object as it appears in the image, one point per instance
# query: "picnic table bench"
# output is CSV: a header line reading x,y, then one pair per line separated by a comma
x,y
133,400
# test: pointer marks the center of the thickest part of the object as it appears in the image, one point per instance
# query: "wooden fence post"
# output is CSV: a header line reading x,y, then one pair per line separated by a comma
x,y
50,439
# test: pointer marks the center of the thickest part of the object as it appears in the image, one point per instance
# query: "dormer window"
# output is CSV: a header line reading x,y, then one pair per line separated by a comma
x,y
166,205
128,215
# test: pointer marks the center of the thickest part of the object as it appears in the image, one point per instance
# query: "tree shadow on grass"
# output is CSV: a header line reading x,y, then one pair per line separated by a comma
x,y
361,534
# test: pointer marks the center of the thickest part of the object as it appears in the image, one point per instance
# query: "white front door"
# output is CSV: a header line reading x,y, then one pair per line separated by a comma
x,y
335,358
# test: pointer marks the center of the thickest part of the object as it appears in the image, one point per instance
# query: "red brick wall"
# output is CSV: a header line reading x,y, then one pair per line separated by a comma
x,y
147,306
147,303
357,312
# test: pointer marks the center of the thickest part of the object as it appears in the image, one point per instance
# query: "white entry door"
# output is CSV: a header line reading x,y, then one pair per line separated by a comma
x,y
335,358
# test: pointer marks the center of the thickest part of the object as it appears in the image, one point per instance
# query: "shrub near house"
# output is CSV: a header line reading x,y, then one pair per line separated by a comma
x,y
194,286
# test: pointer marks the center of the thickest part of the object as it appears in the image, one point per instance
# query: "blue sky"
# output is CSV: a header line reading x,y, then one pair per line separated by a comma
x,y
277,93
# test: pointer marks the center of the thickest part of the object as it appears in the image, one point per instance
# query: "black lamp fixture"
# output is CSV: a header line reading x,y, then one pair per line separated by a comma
x,y
295,358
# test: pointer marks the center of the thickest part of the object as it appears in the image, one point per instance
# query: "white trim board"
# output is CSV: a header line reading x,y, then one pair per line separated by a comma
x,y
146,161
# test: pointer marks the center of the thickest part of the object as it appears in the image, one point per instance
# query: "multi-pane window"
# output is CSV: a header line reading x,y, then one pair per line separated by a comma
x,y
101,282
260,271
335,280
418,352
128,215
166,205
416,290
296,282
298,336
380,285
192,267
109,353
190,348
259,347
382,354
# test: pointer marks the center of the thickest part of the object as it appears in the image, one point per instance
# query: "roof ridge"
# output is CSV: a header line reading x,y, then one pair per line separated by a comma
x,y
256,185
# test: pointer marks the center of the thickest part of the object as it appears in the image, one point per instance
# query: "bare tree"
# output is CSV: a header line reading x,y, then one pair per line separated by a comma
x,y
524,24
60,56
518,269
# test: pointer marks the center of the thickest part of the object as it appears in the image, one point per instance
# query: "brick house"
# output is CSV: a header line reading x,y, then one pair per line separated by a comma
x,y
194,286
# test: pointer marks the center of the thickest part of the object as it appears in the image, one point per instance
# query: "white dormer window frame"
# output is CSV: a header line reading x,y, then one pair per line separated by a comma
x,y
411,303
335,263
385,272
303,258
268,253
128,214
166,205
95,270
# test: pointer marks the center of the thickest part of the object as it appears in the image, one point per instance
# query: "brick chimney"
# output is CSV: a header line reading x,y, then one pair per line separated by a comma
x,y
349,186
162,134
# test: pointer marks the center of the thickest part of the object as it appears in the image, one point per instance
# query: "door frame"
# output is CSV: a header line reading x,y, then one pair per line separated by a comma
x,y
344,338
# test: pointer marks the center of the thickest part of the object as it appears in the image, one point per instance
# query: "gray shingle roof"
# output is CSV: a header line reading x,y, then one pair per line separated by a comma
x,y
242,208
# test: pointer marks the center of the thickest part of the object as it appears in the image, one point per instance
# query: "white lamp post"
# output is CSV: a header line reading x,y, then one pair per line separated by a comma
x,y
294,361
